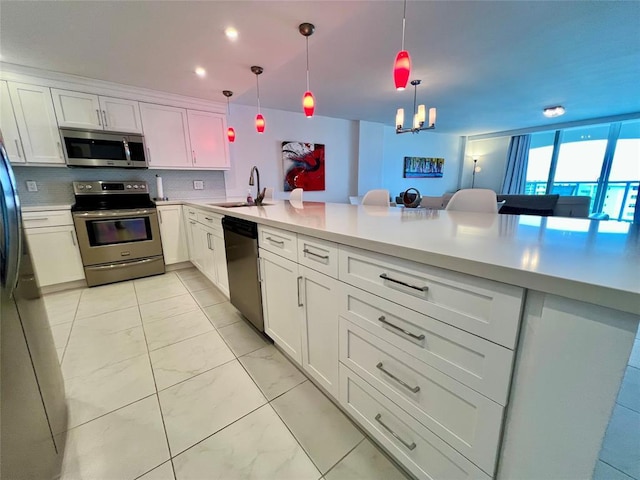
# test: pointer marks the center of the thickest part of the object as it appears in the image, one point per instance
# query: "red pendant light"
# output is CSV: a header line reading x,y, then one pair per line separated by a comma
x,y
308,104
231,133
260,123
308,101
402,65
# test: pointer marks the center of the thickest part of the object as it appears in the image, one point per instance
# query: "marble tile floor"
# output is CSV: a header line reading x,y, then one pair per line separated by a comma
x,y
165,380
620,451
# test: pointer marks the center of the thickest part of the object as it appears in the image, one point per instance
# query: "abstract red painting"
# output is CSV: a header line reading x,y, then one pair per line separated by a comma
x,y
303,165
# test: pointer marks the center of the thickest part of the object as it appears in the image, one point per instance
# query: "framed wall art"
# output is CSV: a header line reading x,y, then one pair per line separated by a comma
x,y
303,166
423,167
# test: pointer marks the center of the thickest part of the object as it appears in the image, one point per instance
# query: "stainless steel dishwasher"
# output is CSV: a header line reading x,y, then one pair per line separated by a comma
x,y
241,246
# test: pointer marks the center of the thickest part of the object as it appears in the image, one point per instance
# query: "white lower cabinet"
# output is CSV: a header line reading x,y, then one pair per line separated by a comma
x,y
281,302
318,294
400,345
173,234
55,233
220,262
416,447
205,241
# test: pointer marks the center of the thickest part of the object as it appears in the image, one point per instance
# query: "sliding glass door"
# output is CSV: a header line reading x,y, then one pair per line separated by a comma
x,y
599,161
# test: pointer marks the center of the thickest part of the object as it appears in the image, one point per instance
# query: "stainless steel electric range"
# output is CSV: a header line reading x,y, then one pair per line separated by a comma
x,y
118,231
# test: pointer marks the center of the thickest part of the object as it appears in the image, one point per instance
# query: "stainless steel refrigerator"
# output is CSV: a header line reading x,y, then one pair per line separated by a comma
x,y
33,412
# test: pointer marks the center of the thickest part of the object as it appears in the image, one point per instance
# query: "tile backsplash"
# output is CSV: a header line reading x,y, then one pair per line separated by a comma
x,y
54,183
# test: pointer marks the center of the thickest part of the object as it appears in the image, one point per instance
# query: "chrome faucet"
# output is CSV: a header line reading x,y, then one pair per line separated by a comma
x,y
259,194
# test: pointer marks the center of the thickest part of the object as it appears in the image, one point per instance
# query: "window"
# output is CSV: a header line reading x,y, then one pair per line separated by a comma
x,y
599,161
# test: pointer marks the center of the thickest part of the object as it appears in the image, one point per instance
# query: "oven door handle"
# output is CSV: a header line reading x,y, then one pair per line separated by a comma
x,y
111,266
116,213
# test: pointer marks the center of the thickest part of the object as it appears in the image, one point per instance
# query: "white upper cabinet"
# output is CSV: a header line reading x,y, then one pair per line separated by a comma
x,y
9,127
77,110
209,147
36,119
84,110
167,136
119,115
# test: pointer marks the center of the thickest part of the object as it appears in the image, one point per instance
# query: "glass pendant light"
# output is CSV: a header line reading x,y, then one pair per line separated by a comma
x,y
402,66
260,123
308,102
231,133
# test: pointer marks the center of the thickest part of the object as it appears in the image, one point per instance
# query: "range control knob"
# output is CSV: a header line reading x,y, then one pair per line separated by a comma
x,y
135,186
129,186
80,187
88,187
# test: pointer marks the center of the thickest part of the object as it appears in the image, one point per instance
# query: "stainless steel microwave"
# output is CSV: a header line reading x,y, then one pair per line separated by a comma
x,y
90,148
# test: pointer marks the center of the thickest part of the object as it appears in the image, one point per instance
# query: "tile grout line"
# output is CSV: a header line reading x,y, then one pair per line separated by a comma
x,y
617,469
157,395
73,322
345,456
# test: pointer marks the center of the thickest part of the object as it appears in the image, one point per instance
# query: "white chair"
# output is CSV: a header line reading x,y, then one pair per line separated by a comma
x,y
474,200
379,197
296,195
268,193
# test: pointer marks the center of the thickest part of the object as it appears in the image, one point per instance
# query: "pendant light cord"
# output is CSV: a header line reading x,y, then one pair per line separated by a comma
x,y
415,93
307,63
258,91
404,21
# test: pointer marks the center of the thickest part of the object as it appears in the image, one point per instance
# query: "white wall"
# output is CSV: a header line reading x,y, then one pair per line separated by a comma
x,y
423,144
492,159
370,156
340,138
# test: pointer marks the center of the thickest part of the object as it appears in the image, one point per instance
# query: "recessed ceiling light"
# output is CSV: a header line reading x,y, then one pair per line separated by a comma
x,y
201,72
553,111
231,33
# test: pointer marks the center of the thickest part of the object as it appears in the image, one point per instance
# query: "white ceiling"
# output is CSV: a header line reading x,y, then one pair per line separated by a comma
x,y
487,66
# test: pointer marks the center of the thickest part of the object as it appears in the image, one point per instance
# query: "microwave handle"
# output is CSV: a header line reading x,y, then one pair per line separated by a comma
x,y
127,152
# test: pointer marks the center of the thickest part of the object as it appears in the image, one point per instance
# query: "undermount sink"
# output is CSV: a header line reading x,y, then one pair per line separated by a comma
x,y
237,204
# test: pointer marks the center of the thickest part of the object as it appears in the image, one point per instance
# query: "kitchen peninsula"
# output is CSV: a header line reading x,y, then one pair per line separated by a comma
x,y
515,330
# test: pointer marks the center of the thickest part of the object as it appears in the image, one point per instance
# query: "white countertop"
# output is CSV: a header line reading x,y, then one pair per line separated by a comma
x,y
588,260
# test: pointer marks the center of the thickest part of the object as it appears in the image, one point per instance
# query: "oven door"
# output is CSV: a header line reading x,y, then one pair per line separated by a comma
x,y
112,236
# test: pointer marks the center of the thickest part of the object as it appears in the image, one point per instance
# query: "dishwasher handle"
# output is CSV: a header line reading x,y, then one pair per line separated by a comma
x,y
240,227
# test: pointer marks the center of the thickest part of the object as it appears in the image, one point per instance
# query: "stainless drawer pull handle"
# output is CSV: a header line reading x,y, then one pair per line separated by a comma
x,y
382,319
415,389
98,114
300,304
73,238
17,148
384,276
192,223
309,252
410,446
279,242
208,219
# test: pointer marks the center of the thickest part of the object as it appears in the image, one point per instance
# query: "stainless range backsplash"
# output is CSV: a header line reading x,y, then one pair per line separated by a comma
x,y
54,183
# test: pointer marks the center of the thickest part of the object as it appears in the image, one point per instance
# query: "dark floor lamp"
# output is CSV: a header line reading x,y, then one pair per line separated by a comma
x,y
476,169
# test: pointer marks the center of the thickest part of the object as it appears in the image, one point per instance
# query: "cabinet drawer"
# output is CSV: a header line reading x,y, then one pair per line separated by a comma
x,y
278,241
463,418
319,255
191,212
49,218
423,453
480,364
209,219
483,307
